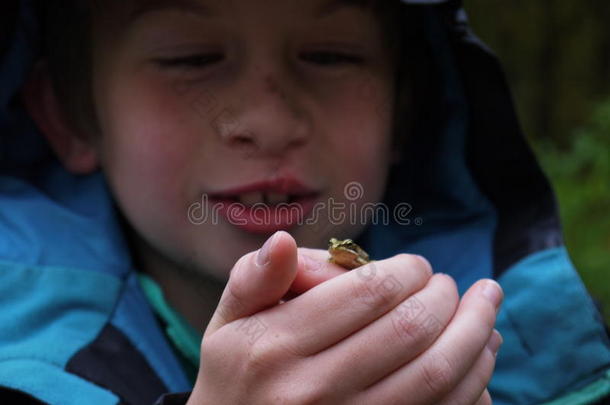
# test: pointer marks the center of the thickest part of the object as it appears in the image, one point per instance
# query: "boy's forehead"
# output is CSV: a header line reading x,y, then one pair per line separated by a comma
x,y
116,19
210,8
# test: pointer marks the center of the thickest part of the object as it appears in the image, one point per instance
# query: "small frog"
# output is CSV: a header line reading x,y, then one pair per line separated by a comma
x,y
346,253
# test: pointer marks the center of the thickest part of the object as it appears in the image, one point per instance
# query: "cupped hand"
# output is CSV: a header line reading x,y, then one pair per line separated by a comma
x,y
389,332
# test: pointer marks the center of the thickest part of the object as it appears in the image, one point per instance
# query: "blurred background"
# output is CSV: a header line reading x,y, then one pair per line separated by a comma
x,y
556,55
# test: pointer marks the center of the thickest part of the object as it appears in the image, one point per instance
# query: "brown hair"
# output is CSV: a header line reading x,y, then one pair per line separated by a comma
x,y
66,48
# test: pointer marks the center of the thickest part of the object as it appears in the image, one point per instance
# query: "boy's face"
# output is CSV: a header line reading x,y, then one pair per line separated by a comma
x,y
197,97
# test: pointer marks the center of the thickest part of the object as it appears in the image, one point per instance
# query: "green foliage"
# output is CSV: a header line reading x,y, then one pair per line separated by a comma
x,y
581,178
556,54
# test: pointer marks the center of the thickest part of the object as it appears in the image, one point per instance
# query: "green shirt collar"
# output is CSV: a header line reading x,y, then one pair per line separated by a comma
x,y
185,339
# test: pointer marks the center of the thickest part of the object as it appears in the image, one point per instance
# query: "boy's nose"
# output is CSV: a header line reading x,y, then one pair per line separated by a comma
x,y
267,120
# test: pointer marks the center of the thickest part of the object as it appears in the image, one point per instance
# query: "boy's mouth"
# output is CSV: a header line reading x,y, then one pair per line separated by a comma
x,y
259,197
268,192
266,206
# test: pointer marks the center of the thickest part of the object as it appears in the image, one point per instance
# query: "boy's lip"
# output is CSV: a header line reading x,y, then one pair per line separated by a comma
x,y
283,185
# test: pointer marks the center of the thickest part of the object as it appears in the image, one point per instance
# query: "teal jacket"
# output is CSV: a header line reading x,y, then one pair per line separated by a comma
x,y
77,328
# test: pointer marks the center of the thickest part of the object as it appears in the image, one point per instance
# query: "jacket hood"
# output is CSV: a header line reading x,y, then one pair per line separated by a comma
x,y
464,167
479,206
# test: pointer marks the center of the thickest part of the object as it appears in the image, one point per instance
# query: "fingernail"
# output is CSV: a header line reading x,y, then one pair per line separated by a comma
x,y
262,258
494,342
493,292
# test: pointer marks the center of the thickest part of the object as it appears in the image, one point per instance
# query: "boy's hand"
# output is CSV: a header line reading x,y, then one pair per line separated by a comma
x,y
386,333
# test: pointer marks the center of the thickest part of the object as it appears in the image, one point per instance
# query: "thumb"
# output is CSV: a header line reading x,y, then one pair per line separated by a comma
x,y
258,281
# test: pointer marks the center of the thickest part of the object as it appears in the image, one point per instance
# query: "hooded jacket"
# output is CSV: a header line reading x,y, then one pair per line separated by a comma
x,y
77,327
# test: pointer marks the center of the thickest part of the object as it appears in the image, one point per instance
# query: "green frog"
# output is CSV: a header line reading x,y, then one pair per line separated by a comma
x,y
346,253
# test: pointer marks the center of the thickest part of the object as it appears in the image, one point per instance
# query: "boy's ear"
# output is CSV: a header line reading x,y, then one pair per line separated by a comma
x,y
77,155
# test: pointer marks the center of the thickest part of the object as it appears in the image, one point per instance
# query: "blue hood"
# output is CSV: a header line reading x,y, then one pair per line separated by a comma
x,y
481,207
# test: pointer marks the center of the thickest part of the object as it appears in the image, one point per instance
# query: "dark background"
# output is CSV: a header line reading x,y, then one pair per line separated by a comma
x,y
556,54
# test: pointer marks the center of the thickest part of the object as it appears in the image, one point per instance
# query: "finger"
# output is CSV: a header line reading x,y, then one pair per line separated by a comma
x,y
313,269
258,280
473,388
394,339
335,309
439,369
485,398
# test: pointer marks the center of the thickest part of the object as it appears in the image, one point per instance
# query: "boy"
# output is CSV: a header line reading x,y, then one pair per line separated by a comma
x,y
251,103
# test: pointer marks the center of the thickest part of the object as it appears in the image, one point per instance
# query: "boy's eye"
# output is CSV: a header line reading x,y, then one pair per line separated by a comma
x,y
331,58
191,61
202,60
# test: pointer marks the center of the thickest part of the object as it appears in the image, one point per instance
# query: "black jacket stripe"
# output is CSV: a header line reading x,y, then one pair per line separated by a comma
x,y
113,362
